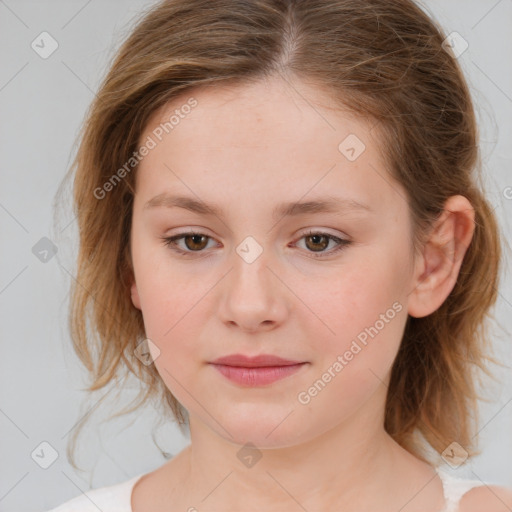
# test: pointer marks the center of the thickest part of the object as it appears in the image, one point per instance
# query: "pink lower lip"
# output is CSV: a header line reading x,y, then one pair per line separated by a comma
x,y
259,376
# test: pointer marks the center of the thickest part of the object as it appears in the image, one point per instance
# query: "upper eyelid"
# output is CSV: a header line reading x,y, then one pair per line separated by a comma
x,y
309,231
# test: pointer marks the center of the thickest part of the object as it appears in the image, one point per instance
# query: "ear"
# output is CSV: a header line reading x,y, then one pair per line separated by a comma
x,y
131,278
135,294
438,266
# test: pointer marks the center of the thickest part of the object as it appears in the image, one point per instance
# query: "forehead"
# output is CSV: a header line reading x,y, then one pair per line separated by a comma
x,y
262,139
255,111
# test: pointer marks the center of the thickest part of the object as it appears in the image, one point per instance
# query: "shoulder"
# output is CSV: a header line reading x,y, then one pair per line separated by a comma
x,y
112,498
491,498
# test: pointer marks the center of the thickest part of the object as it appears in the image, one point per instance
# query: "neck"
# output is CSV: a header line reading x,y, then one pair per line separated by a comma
x,y
352,464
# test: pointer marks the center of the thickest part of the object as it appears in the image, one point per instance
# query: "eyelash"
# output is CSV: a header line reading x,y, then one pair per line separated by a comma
x,y
342,243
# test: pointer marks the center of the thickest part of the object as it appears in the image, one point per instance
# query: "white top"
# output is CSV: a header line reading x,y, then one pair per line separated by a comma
x,y
117,498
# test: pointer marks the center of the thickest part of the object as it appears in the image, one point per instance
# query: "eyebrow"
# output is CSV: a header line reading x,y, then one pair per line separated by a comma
x,y
327,205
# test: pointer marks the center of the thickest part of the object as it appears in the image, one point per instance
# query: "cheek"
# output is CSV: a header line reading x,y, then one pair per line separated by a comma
x,y
366,311
167,310
161,289
164,306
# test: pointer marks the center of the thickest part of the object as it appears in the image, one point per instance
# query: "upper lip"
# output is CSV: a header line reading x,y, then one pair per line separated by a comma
x,y
254,362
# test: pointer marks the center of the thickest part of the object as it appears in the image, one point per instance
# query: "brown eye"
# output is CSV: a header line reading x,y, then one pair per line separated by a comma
x,y
318,242
195,242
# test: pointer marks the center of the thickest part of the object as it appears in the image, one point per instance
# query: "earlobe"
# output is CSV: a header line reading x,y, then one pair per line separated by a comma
x,y
135,295
442,256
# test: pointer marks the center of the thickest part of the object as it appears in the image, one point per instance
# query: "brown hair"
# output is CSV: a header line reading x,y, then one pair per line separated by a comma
x,y
382,59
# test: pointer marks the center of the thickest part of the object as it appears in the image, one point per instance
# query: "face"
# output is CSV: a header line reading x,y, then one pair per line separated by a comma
x,y
324,287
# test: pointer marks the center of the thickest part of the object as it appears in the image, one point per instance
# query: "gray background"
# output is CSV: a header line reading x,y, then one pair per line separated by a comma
x,y
42,103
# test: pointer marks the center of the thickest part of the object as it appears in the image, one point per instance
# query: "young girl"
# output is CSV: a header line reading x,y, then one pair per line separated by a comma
x,y
282,234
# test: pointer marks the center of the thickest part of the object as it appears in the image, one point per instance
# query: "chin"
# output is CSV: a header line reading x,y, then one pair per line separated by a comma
x,y
262,428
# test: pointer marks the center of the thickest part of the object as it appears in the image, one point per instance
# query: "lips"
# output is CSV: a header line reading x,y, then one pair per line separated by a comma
x,y
260,361
256,371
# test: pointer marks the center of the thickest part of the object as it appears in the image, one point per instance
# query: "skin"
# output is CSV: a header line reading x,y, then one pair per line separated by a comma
x,y
246,149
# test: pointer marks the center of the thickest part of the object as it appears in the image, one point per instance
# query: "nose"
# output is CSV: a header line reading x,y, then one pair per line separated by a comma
x,y
253,298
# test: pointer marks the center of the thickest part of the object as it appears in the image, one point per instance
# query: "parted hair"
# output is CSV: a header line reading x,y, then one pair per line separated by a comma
x,y
381,59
